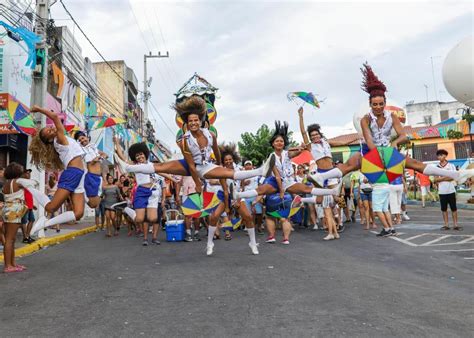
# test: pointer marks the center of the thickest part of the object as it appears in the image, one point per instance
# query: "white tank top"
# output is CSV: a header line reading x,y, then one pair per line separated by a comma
x,y
284,166
381,136
200,156
321,150
91,152
67,153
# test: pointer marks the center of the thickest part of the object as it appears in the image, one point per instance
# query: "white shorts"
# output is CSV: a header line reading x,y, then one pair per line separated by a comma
x,y
203,169
328,201
288,183
395,201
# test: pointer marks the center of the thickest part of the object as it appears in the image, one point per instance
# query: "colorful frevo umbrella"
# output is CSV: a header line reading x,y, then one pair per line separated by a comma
x,y
383,165
306,97
200,205
21,118
285,212
232,224
108,122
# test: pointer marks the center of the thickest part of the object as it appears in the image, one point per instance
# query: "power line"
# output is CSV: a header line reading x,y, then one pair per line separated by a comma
x,y
164,43
90,42
162,119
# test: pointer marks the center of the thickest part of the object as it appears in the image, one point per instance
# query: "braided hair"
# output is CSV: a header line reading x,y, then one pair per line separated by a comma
x,y
371,83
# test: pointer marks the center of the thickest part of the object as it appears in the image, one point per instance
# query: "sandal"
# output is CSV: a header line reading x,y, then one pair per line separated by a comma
x,y
458,228
227,237
12,269
445,227
21,266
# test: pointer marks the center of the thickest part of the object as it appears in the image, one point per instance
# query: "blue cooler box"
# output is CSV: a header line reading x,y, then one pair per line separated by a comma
x,y
175,229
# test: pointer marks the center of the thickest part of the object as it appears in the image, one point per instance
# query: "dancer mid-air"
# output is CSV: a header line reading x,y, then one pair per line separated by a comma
x,y
198,145
51,149
377,128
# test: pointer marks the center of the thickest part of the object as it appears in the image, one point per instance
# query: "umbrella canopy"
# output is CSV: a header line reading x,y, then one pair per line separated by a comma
x,y
278,208
306,97
21,118
200,205
108,122
232,225
304,158
383,165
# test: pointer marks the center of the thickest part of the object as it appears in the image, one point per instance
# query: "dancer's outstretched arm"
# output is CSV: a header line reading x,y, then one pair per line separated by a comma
x,y
119,150
303,128
61,135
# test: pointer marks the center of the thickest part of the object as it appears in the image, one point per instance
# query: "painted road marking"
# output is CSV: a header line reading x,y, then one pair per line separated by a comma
x,y
461,239
435,240
454,250
468,257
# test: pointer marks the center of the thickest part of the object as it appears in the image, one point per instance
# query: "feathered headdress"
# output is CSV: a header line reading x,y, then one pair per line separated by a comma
x,y
280,130
229,149
371,83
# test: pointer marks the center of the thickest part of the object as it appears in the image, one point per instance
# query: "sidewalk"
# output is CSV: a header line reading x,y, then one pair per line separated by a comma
x,y
461,202
68,232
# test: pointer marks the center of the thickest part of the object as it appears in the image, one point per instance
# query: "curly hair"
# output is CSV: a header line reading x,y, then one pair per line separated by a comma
x,y
229,149
314,127
280,130
43,155
78,134
371,83
137,148
193,105
13,170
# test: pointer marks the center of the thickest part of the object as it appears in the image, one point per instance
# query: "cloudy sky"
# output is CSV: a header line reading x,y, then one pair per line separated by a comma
x,y
256,52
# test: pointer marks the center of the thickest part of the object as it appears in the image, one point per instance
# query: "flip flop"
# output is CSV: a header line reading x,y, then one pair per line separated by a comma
x,y
458,228
444,227
12,269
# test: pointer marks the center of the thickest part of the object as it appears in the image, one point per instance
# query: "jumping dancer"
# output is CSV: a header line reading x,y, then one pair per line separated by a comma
x,y
197,146
283,178
229,157
51,149
93,179
149,190
377,127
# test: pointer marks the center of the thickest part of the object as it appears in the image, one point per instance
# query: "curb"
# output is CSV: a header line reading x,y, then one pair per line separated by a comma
x,y
45,242
436,204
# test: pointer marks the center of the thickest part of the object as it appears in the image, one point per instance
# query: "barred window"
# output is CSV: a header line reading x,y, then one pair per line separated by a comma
x,y
425,152
462,149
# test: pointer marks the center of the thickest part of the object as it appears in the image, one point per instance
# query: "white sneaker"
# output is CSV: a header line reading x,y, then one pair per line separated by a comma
x,y
40,224
336,236
315,227
210,249
268,165
329,237
405,217
254,248
121,163
317,179
464,174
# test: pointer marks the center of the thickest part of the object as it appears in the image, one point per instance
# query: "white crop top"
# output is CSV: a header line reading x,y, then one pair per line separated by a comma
x,y
91,152
381,136
321,150
67,153
143,179
284,166
200,156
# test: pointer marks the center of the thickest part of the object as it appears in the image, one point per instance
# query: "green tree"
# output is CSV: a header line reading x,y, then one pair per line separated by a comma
x,y
256,147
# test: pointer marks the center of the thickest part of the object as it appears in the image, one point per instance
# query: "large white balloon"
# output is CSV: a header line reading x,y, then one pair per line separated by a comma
x,y
364,109
458,71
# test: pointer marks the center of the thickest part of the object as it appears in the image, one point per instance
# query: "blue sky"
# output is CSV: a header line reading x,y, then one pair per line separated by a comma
x,y
256,52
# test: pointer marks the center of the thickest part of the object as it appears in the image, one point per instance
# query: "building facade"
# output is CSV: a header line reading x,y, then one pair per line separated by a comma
x,y
426,114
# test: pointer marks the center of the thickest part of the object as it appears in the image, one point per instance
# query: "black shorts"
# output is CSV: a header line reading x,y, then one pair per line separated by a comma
x,y
347,194
450,199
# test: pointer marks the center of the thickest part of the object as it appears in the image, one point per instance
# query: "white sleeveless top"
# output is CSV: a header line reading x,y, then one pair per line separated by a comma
x,y
143,179
381,136
321,150
200,156
284,166
91,152
67,153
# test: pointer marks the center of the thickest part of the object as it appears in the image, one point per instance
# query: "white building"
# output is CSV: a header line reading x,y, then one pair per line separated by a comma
x,y
431,113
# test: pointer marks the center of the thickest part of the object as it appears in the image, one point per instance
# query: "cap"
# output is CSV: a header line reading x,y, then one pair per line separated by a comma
x,y
248,162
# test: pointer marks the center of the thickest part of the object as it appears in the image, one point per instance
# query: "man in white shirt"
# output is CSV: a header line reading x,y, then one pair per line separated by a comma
x,y
447,191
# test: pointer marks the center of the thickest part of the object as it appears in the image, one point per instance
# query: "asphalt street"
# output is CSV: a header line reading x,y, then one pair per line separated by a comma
x,y
418,284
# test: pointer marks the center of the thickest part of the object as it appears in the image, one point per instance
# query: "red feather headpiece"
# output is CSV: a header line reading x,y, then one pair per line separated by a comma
x,y
371,84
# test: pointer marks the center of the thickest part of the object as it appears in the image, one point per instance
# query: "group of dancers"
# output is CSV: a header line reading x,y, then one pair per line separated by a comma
x,y
80,163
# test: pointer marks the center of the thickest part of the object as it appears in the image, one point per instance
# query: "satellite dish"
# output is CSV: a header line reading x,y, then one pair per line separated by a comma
x,y
149,81
458,70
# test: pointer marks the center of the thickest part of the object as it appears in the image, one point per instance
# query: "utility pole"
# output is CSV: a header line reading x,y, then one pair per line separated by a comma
x,y
434,79
426,89
147,83
39,85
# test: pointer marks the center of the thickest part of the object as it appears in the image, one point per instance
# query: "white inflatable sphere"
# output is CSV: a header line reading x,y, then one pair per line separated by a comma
x,y
364,109
458,71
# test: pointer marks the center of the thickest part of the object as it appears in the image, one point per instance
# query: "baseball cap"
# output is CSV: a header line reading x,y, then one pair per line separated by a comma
x,y
248,162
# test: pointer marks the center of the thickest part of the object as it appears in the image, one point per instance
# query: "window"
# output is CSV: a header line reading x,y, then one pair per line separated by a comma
x,y
462,149
425,152
428,120
444,115
337,157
